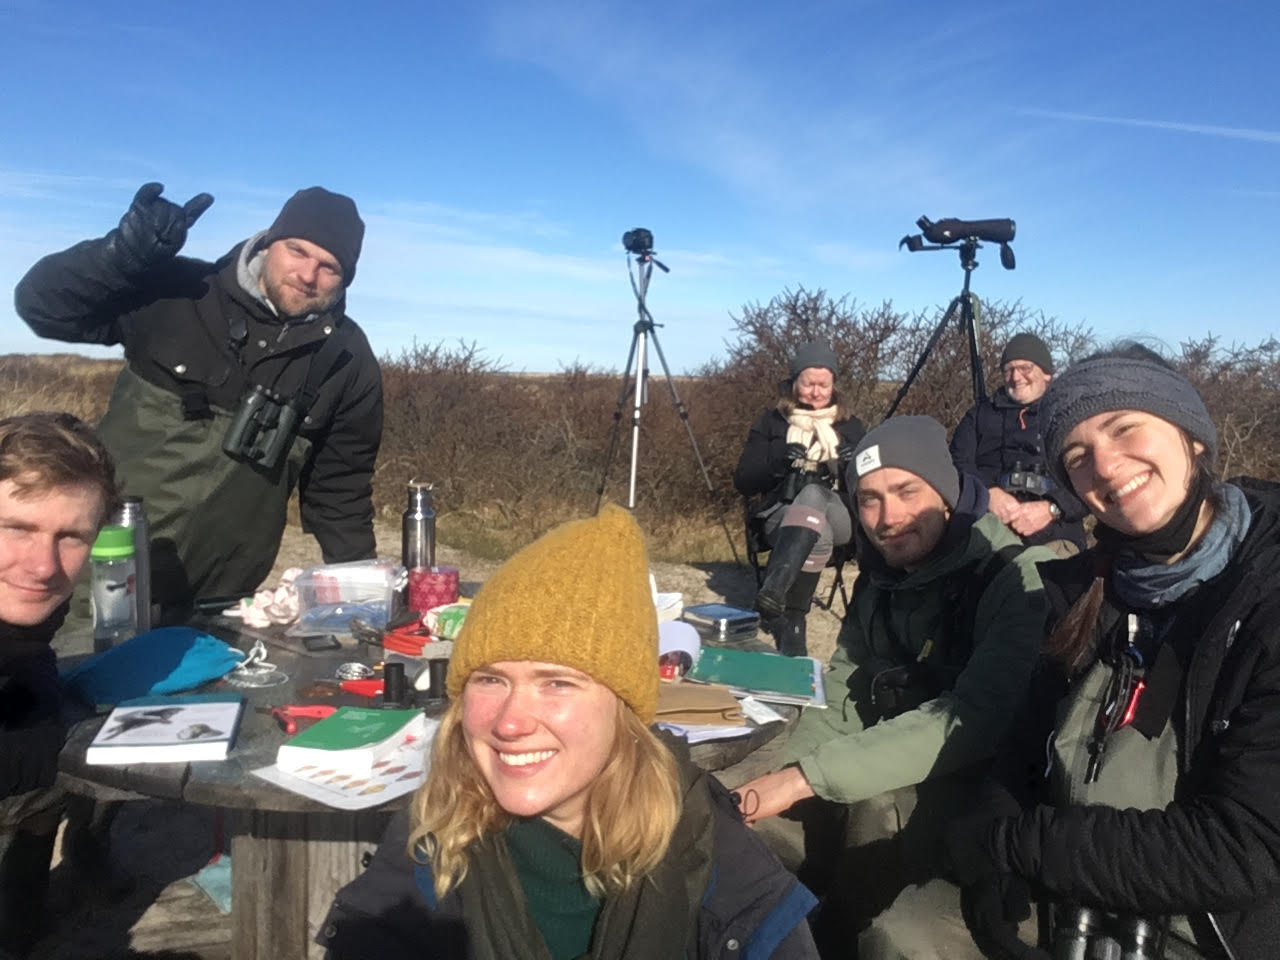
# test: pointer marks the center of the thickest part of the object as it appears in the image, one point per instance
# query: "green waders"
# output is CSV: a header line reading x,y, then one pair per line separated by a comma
x,y
215,522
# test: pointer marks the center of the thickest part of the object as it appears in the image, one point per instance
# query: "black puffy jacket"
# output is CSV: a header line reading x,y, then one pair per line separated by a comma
x,y
1214,852
994,437
763,462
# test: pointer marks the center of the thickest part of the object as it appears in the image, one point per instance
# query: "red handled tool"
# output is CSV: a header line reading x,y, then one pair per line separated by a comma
x,y
289,715
363,688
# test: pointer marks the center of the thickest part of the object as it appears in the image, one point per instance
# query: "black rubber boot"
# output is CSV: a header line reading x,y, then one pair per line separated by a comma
x,y
789,630
788,555
24,881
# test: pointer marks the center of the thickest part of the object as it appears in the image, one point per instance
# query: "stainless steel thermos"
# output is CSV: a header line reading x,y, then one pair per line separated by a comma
x,y
418,528
133,516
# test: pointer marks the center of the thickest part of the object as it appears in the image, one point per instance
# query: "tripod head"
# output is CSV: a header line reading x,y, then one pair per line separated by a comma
x,y
963,236
639,243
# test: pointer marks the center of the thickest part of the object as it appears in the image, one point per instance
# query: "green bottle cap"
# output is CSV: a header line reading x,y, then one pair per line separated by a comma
x,y
113,543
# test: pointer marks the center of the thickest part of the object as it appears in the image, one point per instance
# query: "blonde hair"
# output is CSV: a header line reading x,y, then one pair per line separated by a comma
x,y
42,451
631,811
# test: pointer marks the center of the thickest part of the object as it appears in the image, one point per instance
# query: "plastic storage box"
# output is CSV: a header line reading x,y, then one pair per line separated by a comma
x,y
331,594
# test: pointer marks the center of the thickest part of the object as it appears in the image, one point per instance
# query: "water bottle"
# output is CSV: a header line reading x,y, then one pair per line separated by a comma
x,y
132,515
115,611
418,528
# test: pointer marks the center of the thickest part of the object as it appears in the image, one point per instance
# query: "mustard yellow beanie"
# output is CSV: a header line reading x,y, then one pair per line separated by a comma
x,y
577,596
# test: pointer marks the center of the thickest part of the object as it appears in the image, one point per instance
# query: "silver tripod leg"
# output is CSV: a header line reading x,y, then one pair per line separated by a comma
x,y
641,395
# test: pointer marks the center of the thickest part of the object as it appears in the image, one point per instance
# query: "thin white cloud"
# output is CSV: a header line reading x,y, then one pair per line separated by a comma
x,y
1204,129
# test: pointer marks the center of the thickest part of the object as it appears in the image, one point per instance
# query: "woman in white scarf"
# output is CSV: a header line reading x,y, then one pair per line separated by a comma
x,y
794,460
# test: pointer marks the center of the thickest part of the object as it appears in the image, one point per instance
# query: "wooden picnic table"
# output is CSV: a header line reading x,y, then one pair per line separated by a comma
x,y
289,854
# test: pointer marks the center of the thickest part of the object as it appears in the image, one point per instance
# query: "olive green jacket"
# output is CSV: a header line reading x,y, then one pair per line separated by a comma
x,y
846,761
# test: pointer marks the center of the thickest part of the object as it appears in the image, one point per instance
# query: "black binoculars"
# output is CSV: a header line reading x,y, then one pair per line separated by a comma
x,y
1029,482
1083,933
262,429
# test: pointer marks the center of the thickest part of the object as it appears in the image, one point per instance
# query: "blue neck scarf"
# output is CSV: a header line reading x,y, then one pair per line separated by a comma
x,y
1146,585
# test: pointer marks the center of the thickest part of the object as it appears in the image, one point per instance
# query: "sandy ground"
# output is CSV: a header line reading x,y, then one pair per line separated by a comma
x,y
160,844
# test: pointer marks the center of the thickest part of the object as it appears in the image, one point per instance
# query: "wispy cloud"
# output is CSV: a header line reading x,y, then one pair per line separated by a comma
x,y
1203,129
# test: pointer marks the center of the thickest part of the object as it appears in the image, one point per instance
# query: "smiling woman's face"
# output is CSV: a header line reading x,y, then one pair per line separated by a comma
x,y
1132,469
540,734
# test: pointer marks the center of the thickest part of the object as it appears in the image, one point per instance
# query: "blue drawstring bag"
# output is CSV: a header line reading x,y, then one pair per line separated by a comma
x,y
161,661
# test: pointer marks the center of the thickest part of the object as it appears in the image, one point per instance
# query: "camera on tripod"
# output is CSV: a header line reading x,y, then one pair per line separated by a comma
x,y
262,429
965,232
638,241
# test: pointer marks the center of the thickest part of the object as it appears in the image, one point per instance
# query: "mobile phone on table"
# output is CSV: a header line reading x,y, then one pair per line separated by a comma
x,y
318,644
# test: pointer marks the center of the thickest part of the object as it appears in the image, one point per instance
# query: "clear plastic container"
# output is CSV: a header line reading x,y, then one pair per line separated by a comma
x,y
331,594
114,591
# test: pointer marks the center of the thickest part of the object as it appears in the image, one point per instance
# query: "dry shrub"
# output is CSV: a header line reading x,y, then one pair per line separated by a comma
x,y
60,381
513,454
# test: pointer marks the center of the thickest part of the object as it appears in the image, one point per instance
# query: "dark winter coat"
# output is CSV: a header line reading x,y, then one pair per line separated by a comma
x,y
1213,854
763,463
31,731
995,436
747,906
195,340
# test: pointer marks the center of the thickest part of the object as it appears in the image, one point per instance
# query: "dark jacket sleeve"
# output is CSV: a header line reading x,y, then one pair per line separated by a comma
x,y
964,443
335,490
753,899
763,462
1215,848
383,913
79,294
31,731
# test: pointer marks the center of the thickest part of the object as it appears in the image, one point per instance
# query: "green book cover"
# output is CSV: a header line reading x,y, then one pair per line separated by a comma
x,y
349,728
350,741
757,672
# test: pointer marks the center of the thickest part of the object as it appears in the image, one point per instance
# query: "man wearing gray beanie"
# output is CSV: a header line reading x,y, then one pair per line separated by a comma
x,y
998,440
935,653
245,378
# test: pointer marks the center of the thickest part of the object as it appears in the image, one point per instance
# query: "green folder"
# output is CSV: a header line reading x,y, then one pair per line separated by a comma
x,y
756,672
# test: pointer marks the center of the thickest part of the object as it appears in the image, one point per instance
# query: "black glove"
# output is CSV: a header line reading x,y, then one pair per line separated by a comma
x,y
992,909
844,453
966,839
154,229
795,451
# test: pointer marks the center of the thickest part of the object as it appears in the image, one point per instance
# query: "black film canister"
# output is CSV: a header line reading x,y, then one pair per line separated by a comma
x,y
393,684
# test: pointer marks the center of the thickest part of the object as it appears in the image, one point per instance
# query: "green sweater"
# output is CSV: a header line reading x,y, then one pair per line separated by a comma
x,y
549,864
847,762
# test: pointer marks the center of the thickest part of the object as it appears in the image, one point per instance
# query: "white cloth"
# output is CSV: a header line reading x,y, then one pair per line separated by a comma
x,y
814,429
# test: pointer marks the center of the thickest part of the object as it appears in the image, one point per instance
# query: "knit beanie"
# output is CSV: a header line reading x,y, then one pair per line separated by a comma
x,y
577,596
1027,346
815,354
1106,383
329,220
915,444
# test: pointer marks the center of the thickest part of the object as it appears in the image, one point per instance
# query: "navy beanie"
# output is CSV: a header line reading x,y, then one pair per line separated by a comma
x,y
915,444
1106,383
327,219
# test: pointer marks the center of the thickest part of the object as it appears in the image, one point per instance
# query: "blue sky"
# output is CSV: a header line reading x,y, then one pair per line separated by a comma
x,y
499,150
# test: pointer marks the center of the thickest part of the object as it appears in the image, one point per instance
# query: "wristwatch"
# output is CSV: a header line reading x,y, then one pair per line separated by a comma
x,y
1055,511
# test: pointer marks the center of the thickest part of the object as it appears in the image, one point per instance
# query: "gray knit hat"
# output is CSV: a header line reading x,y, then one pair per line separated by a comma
x,y
1105,383
815,354
1027,346
915,444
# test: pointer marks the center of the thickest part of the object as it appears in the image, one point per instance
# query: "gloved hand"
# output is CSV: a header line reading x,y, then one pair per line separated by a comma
x,y
844,453
992,909
153,229
795,451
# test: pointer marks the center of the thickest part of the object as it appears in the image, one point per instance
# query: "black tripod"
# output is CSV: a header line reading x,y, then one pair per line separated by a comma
x,y
965,306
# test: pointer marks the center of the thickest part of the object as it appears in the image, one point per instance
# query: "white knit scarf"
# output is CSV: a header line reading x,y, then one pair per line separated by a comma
x,y
814,429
